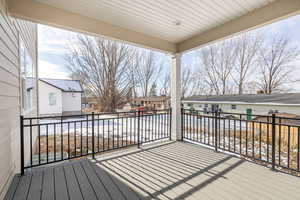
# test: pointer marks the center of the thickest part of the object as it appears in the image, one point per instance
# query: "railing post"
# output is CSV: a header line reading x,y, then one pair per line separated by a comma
x,y
273,140
93,135
216,130
138,129
170,123
22,143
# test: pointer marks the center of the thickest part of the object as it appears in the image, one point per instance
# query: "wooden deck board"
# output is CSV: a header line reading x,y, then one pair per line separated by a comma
x,y
60,186
72,183
48,191
176,170
96,183
35,189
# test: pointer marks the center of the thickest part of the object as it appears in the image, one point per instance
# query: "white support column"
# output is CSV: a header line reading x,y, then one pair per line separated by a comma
x,y
176,97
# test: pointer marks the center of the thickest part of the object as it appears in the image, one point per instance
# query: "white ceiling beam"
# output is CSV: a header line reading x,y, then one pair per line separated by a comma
x,y
45,14
277,10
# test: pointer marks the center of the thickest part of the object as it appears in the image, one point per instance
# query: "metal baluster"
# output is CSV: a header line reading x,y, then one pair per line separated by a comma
x,y
75,143
229,135
246,137
234,135
87,134
279,143
273,140
138,130
289,146
54,129
39,140
260,140
61,137
268,121
93,135
68,139
47,142
80,138
253,153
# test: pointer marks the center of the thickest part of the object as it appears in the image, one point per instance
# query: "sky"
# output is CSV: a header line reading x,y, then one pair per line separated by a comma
x,y
53,44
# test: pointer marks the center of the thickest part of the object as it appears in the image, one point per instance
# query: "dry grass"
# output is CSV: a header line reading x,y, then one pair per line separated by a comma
x,y
78,145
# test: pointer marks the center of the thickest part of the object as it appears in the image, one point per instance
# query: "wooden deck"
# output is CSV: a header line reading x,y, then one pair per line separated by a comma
x,y
176,170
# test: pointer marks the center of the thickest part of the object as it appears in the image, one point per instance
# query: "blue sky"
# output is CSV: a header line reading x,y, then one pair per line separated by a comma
x,y
53,43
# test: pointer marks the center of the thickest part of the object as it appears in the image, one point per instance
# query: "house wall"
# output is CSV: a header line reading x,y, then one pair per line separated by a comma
x,y
44,106
71,102
11,30
258,109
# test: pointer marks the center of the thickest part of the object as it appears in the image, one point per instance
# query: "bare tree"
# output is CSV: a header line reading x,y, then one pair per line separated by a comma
x,y
275,62
104,67
148,71
246,52
217,62
165,85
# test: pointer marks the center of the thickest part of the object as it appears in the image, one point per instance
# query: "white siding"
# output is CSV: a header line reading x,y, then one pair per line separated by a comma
x,y
71,101
10,31
44,106
242,107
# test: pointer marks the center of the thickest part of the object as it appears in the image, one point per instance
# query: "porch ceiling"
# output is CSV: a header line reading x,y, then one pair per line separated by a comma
x,y
152,23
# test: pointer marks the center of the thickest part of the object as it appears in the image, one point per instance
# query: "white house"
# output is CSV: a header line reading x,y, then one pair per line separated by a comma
x,y
257,104
59,97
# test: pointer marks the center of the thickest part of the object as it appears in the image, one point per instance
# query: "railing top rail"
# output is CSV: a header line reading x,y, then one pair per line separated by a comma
x,y
90,114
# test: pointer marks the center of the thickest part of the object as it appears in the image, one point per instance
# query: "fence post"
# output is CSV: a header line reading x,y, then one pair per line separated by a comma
x,y
93,135
182,123
138,127
216,130
273,140
22,143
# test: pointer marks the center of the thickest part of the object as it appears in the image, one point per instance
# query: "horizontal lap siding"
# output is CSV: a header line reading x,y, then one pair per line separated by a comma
x,y
10,28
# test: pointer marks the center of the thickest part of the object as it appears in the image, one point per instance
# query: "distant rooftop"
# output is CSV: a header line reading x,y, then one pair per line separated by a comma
x,y
64,85
152,98
282,98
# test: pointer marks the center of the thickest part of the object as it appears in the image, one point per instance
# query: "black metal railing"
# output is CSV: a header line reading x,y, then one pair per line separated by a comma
x,y
269,139
46,140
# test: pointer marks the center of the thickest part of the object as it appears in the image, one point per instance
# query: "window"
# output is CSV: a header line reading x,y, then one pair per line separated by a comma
x,y
52,99
199,105
206,105
189,104
233,106
27,78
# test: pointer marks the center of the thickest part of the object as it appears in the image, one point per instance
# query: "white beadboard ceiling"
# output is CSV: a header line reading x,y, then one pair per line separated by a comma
x,y
157,18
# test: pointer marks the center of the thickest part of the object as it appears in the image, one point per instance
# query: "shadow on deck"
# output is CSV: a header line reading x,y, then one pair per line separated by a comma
x,y
175,170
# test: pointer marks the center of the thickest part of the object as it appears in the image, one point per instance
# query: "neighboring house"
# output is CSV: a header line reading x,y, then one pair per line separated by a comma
x,y
89,102
248,103
57,96
154,102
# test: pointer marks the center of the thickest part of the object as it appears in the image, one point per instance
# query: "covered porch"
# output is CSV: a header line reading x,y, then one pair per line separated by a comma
x,y
170,170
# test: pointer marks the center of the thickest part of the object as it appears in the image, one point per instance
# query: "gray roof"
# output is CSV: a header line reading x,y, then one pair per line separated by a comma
x,y
64,85
282,98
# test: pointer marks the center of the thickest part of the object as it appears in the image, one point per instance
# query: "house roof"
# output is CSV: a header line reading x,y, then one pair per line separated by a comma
x,y
152,98
64,85
282,98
